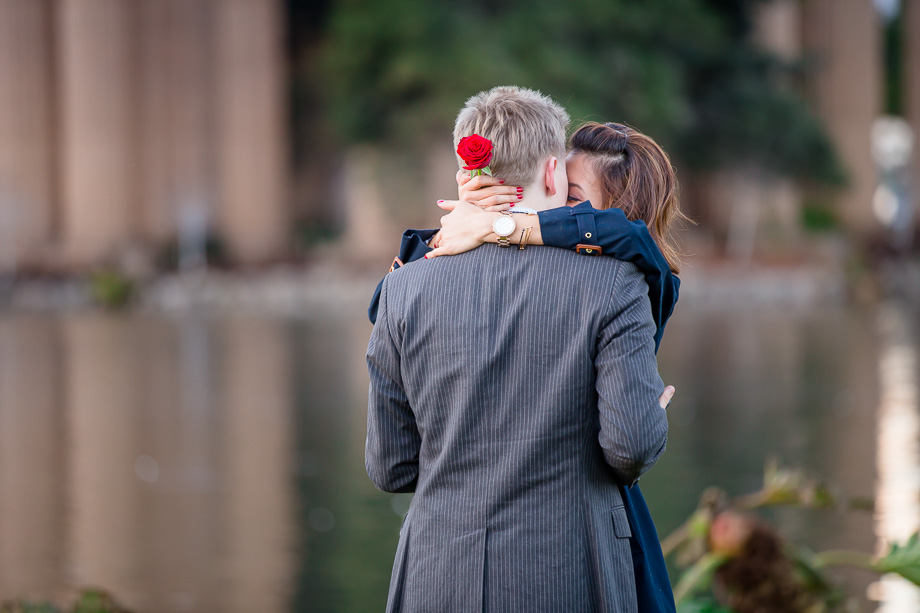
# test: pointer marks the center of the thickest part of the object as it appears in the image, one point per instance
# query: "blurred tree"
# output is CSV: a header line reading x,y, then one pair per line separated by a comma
x,y
743,117
683,71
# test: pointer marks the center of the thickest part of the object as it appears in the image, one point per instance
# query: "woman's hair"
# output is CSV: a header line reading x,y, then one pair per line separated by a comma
x,y
634,175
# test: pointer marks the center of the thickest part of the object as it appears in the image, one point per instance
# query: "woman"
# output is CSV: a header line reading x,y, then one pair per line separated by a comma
x,y
630,180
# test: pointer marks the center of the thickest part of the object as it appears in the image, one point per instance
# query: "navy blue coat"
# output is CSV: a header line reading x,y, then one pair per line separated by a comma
x,y
608,232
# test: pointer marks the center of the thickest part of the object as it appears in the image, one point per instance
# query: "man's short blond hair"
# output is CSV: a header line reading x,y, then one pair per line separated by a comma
x,y
525,127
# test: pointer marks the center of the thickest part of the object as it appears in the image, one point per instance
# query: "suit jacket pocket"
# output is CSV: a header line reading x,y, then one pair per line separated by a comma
x,y
621,522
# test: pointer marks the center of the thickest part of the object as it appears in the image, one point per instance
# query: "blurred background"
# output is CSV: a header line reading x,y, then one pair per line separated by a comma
x,y
197,198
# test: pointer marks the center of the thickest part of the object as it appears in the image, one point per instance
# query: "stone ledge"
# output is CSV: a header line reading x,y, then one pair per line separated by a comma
x,y
294,291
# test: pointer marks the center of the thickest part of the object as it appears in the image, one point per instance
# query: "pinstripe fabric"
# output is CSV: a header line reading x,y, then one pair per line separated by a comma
x,y
511,391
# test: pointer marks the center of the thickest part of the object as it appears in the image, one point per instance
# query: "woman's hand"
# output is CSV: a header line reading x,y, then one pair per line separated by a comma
x,y
665,399
463,229
488,193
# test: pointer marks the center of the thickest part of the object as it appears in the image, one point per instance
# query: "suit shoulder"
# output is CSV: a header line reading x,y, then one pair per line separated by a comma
x,y
399,282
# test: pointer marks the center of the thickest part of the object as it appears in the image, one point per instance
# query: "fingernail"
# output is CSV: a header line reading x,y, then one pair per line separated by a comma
x,y
520,197
520,190
426,256
512,206
440,201
501,181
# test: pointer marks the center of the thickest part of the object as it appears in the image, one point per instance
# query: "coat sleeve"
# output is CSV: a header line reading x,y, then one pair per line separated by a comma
x,y
393,440
618,237
633,426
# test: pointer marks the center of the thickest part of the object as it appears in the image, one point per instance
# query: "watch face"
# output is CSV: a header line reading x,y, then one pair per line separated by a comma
x,y
503,226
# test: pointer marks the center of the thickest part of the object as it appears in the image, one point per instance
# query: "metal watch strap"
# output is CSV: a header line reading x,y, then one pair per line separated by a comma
x,y
503,240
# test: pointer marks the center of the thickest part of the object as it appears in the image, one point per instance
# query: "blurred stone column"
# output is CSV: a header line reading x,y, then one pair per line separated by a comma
x,y
26,169
370,234
911,74
175,108
252,213
778,29
99,170
843,39
33,468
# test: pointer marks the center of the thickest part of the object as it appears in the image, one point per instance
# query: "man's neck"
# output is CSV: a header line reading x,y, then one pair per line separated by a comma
x,y
534,199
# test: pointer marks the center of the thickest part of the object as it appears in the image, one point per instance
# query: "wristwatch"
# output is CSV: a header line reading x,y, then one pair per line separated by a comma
x,y
504,226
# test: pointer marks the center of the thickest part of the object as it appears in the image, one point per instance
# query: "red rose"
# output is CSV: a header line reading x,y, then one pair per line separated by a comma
x,y
476,151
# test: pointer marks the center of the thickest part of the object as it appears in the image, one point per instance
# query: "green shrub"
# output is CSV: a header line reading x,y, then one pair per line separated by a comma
x,y
111,289
89,601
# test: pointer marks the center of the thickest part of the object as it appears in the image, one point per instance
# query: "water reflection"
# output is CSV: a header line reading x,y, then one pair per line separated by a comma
x,y
798,385
148,457
33,475
217,464
898,486
350,530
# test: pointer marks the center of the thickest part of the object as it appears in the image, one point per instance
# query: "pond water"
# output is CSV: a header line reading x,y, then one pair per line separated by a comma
x,y
204,463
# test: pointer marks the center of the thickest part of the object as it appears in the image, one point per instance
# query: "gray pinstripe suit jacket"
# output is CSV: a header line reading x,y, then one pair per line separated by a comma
x,y
512,391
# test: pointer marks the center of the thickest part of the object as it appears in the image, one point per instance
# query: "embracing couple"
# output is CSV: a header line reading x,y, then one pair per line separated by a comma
x,y
514,388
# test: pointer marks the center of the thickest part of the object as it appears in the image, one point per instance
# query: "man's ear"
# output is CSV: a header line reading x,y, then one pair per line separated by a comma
x,y
549,176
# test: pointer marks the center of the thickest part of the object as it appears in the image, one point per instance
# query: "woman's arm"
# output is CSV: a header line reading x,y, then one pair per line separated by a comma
x,y
599,231
467,226
581,228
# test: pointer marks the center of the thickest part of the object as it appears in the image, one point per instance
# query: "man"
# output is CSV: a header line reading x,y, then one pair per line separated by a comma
x,y
512,391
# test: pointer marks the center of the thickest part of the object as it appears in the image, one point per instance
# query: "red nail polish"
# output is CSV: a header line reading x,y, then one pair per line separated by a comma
x,y
520,197
520,190
426,256
501,181
440,201
512,206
